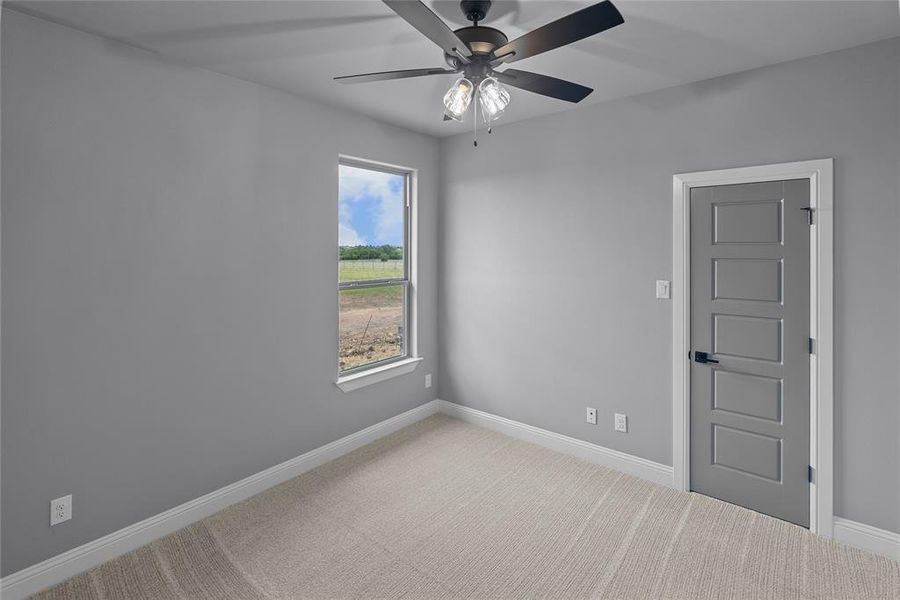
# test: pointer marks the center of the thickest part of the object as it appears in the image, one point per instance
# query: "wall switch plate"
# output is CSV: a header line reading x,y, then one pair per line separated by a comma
x,y
592,415
662,289
428,380
60,510
622,423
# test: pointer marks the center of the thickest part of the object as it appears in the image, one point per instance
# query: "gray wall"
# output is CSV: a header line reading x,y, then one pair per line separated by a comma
x,y
169,305
554,230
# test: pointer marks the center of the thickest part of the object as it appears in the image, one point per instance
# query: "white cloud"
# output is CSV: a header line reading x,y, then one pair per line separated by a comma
x,y
359,183
347,236
390,220
372,186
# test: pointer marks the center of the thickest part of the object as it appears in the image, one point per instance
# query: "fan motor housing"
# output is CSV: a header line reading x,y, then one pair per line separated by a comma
x,y
481,41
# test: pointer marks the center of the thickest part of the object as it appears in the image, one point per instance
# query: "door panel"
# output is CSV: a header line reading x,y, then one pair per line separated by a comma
x,y
750,310
747,337
747,222
751,395
746,451
747,279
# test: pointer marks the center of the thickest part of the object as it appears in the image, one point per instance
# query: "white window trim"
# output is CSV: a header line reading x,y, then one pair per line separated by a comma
x,y
377,374
820,174
384,370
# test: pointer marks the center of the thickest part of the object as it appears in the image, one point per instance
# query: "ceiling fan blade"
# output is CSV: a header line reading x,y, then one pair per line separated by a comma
x,y
577,26
387,75
430,25
544,85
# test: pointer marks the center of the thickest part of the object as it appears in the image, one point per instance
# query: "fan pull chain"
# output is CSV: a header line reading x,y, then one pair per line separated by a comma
x,y
475,121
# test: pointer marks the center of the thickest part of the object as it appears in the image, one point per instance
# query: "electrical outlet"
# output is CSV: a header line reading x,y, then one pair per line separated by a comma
x,y
60,510
428,380
622,423
591,415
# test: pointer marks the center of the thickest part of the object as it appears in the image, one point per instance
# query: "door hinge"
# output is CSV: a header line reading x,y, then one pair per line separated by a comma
x,y
810,474
811,345
809,213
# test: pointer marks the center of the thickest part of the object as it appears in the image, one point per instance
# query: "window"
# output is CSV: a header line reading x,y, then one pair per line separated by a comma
x,y
373,266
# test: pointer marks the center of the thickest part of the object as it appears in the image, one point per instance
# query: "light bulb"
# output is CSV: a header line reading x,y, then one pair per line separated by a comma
x,y
457,98
493,98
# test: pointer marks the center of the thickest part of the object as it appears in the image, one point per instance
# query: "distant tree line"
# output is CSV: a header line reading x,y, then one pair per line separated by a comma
x,y
383,253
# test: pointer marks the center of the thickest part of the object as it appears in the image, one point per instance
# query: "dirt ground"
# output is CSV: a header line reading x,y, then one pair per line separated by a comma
x,y
382,339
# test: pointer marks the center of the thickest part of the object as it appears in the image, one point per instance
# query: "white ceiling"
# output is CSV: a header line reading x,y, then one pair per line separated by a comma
x,y
298,46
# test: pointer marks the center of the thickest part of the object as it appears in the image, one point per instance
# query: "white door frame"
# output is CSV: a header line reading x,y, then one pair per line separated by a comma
x,y
820,174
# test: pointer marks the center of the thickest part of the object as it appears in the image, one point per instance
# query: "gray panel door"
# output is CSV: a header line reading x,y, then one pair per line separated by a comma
x,y
750,312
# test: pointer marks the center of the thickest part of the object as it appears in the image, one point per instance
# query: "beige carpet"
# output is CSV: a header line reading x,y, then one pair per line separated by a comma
x,y
443,509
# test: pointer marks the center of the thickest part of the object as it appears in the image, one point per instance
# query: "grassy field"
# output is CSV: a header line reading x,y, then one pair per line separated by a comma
x,y
361,270
374,298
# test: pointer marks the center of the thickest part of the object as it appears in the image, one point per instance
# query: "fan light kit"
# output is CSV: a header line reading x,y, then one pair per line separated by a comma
x,y
474,52
457,99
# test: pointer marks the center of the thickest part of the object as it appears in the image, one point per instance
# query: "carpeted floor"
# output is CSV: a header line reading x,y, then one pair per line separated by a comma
x,y
443,509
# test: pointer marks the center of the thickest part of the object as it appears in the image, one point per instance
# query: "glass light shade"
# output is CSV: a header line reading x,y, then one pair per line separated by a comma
x,y
493,98
457,98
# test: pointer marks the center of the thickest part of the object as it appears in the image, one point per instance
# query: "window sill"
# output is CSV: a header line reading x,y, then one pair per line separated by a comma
x,y
378,374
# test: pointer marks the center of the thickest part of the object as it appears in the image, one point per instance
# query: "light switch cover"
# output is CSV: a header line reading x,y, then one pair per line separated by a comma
x,y
662,289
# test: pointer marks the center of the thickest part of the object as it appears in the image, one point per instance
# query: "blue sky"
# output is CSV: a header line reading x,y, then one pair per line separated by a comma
x,y
370,207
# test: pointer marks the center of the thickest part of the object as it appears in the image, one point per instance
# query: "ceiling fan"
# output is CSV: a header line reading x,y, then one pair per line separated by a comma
x,y
476,51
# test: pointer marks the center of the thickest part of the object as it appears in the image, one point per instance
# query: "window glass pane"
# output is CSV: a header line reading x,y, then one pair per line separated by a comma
x,y
371,324
371,210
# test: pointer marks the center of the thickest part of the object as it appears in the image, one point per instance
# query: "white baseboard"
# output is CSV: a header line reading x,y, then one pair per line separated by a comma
x,y
866,537
59,568
620,461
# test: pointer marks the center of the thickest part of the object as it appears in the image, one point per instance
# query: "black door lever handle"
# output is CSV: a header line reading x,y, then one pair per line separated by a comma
x,y
703,358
